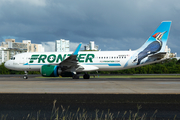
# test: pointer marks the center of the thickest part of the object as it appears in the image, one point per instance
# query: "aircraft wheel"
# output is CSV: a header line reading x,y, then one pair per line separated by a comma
x,y
86,76
75,76
25,77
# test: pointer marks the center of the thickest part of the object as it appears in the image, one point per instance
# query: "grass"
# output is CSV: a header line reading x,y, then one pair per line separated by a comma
x,y
60,113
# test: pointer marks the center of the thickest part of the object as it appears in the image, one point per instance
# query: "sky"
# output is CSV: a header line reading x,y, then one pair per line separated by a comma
x,y
111,24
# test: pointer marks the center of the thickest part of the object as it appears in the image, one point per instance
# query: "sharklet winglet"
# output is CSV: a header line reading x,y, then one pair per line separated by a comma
x,y
77,49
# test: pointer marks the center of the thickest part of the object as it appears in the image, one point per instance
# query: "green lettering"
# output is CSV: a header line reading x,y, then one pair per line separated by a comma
x,y
33,57
81,57
42,58
89,57
51,60
60,57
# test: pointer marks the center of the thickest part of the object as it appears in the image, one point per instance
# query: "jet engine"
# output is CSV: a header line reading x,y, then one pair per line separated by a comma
x,y
54,71
50,71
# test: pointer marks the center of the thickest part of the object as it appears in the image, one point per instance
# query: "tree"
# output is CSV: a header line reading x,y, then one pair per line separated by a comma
x,y
3,69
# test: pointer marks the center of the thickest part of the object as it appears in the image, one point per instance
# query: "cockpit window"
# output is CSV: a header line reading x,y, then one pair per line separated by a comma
x,y
13,58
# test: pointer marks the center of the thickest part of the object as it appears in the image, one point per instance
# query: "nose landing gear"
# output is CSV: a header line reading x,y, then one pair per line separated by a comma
x,y
25,75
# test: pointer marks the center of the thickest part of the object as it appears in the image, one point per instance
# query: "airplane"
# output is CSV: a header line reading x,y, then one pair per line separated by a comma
x,y
69,64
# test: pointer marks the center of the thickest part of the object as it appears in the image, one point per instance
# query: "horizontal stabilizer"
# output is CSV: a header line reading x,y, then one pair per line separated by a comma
x,y
159,55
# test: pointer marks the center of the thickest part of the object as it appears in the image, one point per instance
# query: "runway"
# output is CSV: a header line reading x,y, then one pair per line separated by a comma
x,y
34,85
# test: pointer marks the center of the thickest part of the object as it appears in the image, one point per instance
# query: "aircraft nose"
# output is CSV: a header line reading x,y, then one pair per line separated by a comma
x,y
7,64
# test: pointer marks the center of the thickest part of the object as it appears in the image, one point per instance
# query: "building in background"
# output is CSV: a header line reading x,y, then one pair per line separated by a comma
x,y
168,53
9,48
91,46
33,47
3,54
62,45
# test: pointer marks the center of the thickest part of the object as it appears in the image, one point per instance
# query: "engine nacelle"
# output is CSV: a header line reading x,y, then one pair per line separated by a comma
x,y
53,71
50,71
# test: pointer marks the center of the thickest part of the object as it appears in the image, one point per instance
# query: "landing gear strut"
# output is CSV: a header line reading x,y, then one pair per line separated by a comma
x,y
75,76
25,75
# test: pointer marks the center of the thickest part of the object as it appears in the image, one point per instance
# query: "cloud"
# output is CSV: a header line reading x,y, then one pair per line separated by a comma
x,y
113,25
48,46
29,2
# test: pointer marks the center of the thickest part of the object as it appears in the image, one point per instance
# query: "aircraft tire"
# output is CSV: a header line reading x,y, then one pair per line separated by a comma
x,y
75,77
25,77
86,76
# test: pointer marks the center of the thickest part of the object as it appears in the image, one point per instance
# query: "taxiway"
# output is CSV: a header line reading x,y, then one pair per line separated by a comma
x,y
15,84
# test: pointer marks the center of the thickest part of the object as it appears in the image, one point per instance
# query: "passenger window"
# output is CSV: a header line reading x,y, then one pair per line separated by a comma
x,y
13,58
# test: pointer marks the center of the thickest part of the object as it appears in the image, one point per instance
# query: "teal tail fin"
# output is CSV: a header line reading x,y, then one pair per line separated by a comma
x,y
155,44
158,40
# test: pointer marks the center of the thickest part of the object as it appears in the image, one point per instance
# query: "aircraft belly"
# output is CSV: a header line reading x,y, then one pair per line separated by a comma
x,y
34,67
109,68
26,68
18,67
84,68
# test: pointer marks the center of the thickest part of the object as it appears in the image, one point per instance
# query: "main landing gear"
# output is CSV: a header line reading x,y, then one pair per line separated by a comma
x,y
85,76
25,75
75,76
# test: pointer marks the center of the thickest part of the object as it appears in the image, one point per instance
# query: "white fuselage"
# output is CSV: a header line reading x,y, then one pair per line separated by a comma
x,y
90,60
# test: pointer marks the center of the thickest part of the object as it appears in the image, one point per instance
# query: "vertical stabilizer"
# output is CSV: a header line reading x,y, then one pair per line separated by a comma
x,y
155,44
159,36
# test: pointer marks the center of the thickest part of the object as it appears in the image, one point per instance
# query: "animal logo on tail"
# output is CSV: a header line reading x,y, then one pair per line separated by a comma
x,y
159,35
152,48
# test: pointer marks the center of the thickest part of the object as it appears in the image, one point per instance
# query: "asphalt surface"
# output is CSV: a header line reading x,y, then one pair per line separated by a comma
x,y
34,85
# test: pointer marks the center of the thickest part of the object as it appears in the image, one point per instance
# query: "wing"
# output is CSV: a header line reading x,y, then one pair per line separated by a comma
x,y
70,64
